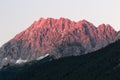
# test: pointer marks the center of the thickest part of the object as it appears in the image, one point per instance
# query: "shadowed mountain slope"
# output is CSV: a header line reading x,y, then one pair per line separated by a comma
x,y
103,64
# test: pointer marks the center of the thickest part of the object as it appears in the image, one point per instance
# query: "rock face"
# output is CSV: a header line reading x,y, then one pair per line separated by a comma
x,y
59,37
117,36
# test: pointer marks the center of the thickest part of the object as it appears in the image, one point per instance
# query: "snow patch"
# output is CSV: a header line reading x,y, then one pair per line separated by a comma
x,y
6,58
19,61
41,57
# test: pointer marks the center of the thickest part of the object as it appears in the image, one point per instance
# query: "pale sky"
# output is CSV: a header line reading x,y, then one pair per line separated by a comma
x,y
17,15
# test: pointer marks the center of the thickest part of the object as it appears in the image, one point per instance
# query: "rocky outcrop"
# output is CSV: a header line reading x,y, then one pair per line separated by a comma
x,y
59,37
117,36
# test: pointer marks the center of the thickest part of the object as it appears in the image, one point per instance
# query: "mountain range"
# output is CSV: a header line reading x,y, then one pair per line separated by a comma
x,y
58,38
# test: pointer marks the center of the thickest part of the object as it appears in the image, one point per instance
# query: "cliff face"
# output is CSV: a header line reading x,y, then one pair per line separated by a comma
x,y
117,36
59,37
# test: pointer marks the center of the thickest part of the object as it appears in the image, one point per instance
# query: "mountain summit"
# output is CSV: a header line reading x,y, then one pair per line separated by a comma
x,y
57,37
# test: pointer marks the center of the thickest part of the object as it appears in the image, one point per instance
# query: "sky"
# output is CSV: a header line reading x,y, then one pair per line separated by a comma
x,y
17,15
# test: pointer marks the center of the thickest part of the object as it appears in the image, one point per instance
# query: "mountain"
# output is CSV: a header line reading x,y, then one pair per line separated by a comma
x,y
103,64
117,36
57,37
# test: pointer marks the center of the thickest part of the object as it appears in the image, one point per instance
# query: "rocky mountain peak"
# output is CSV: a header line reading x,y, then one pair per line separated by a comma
x,y
106,31
105,27
57,37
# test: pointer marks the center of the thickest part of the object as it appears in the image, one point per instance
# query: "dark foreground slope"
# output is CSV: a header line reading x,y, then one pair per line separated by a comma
x,y
100,65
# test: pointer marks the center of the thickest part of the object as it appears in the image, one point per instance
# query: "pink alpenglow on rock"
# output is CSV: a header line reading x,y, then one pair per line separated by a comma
x,y
58,37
